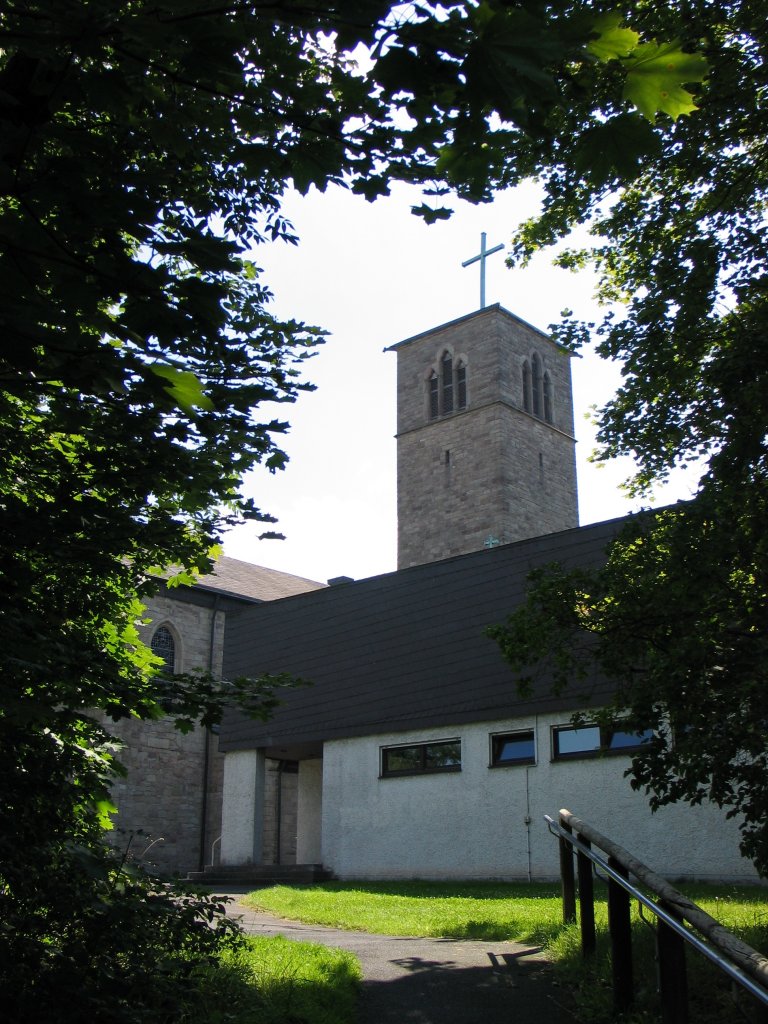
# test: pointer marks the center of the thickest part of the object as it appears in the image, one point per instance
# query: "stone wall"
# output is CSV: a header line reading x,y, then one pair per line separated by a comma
x,y
494,471
169,804
160,802
280,817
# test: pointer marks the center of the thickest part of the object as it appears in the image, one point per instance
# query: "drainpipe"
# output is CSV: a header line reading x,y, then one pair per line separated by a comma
x,y
528,821
207,746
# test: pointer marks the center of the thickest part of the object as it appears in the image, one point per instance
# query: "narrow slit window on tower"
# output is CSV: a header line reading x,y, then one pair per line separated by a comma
x,y
547,398
164,646
527,386
536,384
446,365
433,387
461,385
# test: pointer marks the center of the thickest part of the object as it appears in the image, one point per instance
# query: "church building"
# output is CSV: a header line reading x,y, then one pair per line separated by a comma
x,y
169,802
410,753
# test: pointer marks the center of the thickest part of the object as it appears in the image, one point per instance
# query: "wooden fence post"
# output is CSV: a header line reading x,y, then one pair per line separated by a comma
x,y
620,927
567,878
729,948
673,981
586,900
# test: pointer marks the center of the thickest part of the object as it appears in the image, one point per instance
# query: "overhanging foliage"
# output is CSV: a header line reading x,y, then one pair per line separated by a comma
x,y
677,617
144,150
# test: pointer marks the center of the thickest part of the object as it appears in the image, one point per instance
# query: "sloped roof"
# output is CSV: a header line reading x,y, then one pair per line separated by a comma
x,y
400,651
496,309
234,577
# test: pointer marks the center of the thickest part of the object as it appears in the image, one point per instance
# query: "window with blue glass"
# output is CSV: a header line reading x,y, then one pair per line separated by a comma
x,y
510,748
572,741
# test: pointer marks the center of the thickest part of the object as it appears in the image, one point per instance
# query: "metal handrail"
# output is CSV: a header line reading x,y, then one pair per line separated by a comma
x,y
729,968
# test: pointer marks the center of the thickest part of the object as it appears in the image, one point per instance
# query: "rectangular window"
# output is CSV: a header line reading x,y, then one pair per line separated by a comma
x,y
513,748
570,741
617,739
421,758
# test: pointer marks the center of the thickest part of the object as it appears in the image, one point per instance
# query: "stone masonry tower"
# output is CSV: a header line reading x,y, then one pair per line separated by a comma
x,y
485,441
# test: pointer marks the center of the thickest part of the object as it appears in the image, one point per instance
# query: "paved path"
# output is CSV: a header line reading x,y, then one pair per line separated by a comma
x,y
434,981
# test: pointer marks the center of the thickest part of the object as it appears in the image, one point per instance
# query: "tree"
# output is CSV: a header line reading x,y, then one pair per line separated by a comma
x,y
676,618
144,150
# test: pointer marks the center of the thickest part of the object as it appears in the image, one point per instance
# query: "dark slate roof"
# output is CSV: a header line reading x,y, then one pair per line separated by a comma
x,y
400,651
242,579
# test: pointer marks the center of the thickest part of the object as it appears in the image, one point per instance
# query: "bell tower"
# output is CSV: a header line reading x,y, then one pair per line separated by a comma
x,y
485,439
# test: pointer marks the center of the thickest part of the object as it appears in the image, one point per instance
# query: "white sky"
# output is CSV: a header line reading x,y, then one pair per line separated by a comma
x,y
373,275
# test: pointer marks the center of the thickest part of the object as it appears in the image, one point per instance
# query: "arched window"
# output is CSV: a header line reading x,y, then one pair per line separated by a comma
x,y
164,646
547,398
447,386
433,390
446,372
461,385
536,384
527,386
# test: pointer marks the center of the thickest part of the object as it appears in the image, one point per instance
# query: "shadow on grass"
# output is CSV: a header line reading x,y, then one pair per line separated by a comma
x,y
484,911
449,890
712,999
495,931
277,981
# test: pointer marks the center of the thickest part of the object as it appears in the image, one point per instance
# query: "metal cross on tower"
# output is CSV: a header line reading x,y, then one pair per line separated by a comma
x,y
483,256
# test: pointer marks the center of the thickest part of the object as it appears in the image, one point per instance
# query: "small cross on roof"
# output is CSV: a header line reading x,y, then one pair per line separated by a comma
x,y
482,257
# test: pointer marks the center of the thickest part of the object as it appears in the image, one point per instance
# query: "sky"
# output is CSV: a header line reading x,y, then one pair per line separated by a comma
x,y
373,274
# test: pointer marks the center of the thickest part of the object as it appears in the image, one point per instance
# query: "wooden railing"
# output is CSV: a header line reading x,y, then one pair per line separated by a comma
x,y
679,922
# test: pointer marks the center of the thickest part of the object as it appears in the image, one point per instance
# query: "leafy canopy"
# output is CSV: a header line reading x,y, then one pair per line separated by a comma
x,y
144,150
676,205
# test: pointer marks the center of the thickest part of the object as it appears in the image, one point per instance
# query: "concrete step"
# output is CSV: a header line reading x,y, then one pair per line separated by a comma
x,y
260,875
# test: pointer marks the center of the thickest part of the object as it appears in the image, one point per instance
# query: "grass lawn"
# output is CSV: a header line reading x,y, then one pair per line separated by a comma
x,y
471,910
531,913
275,981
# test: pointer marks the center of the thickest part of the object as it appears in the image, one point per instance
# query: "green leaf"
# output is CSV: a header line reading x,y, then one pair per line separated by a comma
x,y
429,214
656,73
104,810
182,578
612,41
184,388
510,64
616,149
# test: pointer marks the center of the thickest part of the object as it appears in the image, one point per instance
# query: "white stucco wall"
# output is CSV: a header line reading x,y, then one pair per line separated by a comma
x,y
242,816
309,817
471,824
